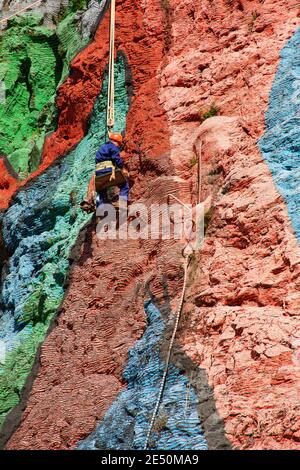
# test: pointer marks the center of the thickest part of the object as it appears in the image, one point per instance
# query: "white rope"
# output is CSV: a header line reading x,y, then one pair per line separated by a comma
x,y
3,20
164,378
199,176
111,72
186,255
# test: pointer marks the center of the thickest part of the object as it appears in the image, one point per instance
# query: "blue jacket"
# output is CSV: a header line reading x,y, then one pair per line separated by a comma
x,y
109,151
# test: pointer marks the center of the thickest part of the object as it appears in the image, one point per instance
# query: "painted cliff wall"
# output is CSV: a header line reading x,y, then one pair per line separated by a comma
x,y
40,230
36,50
243,326
280,142
126,424
204,81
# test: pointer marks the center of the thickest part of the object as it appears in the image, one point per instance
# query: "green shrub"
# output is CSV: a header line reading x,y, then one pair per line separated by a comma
x,y
160,423
207,219
213,111
193,161
78,5
255,15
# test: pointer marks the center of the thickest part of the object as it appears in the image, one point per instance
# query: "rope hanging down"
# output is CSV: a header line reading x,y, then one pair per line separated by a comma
x,y
111,69
164,378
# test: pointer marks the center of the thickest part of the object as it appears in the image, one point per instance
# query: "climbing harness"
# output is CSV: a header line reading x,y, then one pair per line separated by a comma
x,y
111,69
113,177
20,11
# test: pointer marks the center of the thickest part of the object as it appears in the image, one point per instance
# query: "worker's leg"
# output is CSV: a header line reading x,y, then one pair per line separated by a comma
x,y
124,191
88,203
101,198
123,206
90,195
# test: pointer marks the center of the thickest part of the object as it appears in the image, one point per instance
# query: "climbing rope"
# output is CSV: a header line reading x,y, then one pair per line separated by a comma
x,y
111,69
164,378
20,11
186,253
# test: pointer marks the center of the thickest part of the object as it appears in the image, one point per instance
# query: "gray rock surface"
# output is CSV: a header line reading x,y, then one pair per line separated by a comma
x,y
51,9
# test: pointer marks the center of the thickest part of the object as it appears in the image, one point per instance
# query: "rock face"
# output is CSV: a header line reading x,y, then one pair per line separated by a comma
x,y
244,301
126,424
36,50
201,75
39,230
280,143
30,54
53,10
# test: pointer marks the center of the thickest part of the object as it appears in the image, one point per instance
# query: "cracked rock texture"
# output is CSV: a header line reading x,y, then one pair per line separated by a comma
x,y
243,325
203,78
36,49
126,424
39,231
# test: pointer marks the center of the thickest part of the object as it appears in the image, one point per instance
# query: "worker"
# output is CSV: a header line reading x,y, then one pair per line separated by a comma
x,y
107,155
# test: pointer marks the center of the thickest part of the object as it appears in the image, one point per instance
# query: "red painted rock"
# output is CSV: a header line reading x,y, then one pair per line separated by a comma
x,y
243,326
143,44
8,183
83,358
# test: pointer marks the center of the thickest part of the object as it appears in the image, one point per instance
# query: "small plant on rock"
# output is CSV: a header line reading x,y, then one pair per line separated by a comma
x,y
207,219
213,111
160,423
193,161
255,15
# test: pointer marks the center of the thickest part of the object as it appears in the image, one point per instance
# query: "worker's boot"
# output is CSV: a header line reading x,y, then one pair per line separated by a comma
x,y
87,206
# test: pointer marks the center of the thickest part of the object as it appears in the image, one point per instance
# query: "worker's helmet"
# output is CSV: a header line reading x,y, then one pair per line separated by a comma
x,y
116,138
